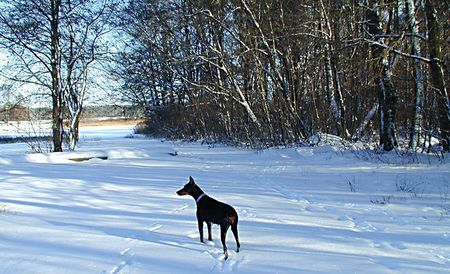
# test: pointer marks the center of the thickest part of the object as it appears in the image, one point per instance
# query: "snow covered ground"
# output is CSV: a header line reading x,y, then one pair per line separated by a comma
x,y
301,210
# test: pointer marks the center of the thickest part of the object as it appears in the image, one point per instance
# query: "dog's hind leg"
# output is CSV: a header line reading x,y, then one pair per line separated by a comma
x,y
209,231
223,235
235,233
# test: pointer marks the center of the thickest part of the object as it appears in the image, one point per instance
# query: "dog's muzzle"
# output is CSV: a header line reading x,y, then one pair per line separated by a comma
x,y
182,192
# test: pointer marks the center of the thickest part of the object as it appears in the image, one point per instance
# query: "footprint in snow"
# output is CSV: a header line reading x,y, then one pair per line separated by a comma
x,y
318,208
127,259
295,198
183,207
359,224
286,194
192,235
399,221
249,212
398,245
347,220
216,253
442,259
389,263
154,227
237,263
232,264
377,244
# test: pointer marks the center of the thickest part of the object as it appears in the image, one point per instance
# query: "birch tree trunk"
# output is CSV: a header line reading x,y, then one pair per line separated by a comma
x,y
333,87
418,73
437,72
383,79
373,110
75,99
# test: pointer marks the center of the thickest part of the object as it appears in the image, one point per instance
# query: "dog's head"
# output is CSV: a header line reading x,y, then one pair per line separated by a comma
x,y
188,188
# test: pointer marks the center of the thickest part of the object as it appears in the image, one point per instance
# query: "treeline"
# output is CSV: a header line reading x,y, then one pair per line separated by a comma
x,y
17,112
275,72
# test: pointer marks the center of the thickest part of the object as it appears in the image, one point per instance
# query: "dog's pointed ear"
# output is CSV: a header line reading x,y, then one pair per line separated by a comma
x,y
191,180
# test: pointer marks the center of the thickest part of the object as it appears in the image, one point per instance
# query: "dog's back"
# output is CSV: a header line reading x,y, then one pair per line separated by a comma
x,y
211,210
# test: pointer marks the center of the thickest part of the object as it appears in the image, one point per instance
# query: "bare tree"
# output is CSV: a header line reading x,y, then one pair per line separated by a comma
x,y
333,84
435,45
53,43
30,31
86,23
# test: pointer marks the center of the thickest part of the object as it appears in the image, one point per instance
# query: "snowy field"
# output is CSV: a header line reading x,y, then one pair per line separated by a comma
x,y
301,210
25,128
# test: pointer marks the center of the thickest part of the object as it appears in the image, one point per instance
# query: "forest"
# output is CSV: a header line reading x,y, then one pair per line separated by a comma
x,y
319,130
259,73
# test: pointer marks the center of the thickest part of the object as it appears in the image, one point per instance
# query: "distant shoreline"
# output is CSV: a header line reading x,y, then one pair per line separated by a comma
x,y
12,140
109,122
89,122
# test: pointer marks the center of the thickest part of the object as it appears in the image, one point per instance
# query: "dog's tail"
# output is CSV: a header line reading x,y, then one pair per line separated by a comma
x,y
233,219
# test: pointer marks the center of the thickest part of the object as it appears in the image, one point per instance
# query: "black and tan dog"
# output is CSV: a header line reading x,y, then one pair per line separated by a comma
x,y
210,211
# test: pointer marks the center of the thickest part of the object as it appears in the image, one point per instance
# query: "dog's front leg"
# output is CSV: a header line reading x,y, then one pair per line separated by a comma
x,y
200,229
209,231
